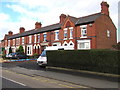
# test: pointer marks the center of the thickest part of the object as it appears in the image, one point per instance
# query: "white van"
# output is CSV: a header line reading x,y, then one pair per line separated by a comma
x,y
42,60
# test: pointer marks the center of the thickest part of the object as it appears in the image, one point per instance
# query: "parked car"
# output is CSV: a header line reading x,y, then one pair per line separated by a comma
x,y
17,55
8,55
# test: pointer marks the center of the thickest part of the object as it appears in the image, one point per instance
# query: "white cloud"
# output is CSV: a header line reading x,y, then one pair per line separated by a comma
x,y
4,17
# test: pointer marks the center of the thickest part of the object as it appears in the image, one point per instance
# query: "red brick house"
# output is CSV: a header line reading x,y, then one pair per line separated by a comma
x,y
96,31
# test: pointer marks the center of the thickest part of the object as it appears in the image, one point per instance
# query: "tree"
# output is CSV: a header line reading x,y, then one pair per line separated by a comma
x,y
20,49
3,50
10,50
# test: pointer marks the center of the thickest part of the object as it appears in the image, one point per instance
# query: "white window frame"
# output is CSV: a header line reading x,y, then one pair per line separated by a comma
x,y
44,38
84,42
71,43
23,40
65,32
83,30
8,42
17,41
38,38
29,51
35,38
71,32
13,41
30,39
56,35
65,44
108,33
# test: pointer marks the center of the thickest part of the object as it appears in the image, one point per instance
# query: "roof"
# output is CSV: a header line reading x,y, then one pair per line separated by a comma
x,y
30,32
88,19
76,21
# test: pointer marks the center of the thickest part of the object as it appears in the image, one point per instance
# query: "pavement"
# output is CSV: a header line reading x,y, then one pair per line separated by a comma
x,y
1,60
107,76
77,77
111,77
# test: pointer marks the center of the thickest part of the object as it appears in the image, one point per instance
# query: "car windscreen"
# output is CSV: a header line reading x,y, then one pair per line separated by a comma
x,y
43,53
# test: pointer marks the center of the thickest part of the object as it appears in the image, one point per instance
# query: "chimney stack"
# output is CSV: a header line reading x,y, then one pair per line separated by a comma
x,y
21,30
38,25
10,33
62,18
105,8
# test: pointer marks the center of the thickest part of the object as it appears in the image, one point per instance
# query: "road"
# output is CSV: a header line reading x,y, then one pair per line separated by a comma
x,y
31,76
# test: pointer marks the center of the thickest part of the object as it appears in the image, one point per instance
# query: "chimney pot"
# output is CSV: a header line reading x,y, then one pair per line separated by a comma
x,y
105,8
10,33
21,30
38,25
62,18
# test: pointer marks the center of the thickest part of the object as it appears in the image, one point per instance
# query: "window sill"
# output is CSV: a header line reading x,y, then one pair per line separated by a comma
x,y
83,37
65,39
56,40
71,38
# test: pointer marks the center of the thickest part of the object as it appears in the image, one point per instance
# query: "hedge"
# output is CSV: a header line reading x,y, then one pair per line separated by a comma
x,y
106,61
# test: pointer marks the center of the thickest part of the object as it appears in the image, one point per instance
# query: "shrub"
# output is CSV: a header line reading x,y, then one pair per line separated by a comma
x,y
93,60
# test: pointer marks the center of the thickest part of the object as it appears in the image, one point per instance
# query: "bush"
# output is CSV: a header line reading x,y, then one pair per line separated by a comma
x,y
93,60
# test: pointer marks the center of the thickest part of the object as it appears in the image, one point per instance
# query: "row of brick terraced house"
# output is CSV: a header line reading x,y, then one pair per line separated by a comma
x,y
95,31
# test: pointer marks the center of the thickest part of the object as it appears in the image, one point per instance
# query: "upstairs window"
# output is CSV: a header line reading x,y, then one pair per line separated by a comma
x,y
108,33
38,36
56,35
8,42
71,32
65,33
23,41
30,39
13,41
44,37
83,31
18,41
35,38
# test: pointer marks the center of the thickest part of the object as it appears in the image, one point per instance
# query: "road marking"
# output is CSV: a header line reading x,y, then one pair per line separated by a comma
x,y
70,85
65,86
14,81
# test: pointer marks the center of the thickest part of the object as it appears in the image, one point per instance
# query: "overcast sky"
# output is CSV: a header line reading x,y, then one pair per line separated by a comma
x,y
24,13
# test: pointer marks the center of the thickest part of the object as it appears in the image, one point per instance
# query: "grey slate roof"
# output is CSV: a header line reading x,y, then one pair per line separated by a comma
x,y
88,19
30,32
77,21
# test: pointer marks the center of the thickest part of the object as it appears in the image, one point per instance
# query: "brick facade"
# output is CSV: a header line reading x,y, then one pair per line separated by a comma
x,y
95,31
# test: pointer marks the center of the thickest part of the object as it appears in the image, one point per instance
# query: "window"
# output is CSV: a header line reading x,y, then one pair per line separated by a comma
x,y
108,33
18,41
65,33
13,41
83,31
30,39
56,35
83,44
22,40
71,44
8,42
38,36
35,38
44,37
65,44
29,50
71,32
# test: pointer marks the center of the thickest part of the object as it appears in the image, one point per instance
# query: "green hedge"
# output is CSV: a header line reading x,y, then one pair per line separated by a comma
x,y
106,61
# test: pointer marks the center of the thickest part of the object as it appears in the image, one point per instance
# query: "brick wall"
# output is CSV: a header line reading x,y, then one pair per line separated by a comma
x,y
103,24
